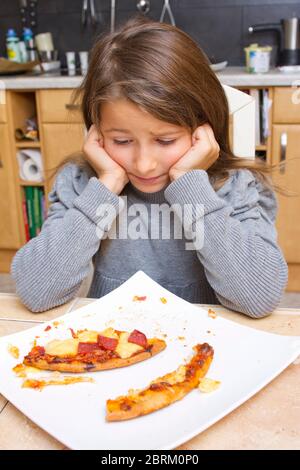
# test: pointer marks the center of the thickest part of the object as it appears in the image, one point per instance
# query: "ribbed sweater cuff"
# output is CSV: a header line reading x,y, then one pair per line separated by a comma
x,y
99,204
194,188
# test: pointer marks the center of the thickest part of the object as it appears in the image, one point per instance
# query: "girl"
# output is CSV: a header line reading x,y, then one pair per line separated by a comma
x,y
158,138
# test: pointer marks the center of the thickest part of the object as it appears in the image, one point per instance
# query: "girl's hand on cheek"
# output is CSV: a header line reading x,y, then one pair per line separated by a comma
x,y
109,172
204,152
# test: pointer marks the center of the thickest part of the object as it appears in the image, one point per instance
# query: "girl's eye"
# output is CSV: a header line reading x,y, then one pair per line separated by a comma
x,y
162,142
166,142
121,142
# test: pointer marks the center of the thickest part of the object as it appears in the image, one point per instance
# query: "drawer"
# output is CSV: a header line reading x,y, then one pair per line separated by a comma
x,y
56,106
286,106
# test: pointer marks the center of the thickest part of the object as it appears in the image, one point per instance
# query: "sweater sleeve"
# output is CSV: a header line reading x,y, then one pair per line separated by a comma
x,y
239,252
50,268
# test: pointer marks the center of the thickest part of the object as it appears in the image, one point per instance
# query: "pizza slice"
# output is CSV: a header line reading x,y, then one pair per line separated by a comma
x,y
89,351
164,390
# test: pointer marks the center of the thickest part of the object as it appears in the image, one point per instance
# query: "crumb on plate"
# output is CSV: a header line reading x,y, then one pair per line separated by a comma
x,y
207,385
13,351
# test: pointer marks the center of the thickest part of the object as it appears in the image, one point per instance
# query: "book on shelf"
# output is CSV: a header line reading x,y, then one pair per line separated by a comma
x,y
266,108
25,217
34,212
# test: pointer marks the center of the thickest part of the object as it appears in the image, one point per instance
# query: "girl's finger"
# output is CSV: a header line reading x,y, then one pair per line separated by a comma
x,y
211,136
199,134
94,135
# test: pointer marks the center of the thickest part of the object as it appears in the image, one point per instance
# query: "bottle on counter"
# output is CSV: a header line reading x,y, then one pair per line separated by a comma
x,y
23,52
30,44
12,46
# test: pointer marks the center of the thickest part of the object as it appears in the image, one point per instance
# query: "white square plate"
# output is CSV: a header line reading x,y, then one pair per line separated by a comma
x,y
245,361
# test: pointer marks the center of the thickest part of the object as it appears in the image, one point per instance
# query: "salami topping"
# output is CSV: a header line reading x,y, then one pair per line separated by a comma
x,y
84,348
107,343
139,338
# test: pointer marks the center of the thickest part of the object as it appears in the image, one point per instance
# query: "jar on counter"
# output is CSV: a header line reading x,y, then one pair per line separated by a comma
x,y
258,58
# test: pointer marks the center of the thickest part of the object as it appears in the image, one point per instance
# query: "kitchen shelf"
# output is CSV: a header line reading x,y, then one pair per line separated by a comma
x,y
261,147
28,144
30,183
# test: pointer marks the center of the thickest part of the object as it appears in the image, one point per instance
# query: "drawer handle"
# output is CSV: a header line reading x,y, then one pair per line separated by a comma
x,y
72,106
283,145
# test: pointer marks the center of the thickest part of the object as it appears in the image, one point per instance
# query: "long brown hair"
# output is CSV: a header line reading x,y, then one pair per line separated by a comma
x,y
160,68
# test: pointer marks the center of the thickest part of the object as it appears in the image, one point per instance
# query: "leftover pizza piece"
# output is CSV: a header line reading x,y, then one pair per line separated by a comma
x,y
164,390
89,351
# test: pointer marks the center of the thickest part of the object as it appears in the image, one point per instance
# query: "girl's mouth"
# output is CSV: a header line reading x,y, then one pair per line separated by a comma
x,y
148,180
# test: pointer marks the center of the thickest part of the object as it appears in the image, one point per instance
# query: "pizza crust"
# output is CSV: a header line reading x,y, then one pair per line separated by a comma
x,y
162,392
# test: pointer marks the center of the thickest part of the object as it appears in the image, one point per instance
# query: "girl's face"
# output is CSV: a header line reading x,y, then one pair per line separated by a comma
x,y
144,146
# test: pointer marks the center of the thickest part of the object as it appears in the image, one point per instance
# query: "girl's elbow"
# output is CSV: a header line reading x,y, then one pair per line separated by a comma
x,y
42,298
259,311
267,296
33,303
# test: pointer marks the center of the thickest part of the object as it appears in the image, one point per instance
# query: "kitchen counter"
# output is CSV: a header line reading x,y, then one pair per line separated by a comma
x,y
237,76
232,76
269,420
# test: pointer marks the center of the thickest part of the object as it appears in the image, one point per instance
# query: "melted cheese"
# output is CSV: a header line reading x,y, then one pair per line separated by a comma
x,y
177,376
66,347
87,336
173,377
69,347
125,349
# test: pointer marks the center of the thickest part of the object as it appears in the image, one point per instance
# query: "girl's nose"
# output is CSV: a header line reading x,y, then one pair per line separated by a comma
x,y
145,165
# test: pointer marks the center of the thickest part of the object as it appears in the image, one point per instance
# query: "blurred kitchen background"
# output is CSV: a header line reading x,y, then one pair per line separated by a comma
x,y
253,45
219,26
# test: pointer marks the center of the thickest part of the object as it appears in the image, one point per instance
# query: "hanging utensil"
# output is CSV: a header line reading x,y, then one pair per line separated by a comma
x,y
143,6
167,9
84,12
112,15
93,13
88,6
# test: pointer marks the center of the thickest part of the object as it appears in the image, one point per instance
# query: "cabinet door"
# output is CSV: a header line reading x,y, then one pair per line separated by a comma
x,y
56,106
285,146
286,109
59,141
3,115
9,225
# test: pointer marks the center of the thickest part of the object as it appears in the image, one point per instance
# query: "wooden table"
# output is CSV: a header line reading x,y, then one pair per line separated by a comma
x,y
269,420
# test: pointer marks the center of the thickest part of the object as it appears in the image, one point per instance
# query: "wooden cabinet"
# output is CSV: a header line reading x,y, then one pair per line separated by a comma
x,y
3,115
286,107
61,128
60,140
61,133
286,147
57,106
9,227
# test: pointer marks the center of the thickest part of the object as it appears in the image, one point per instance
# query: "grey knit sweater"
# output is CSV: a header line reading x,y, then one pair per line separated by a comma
x,y
238,263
